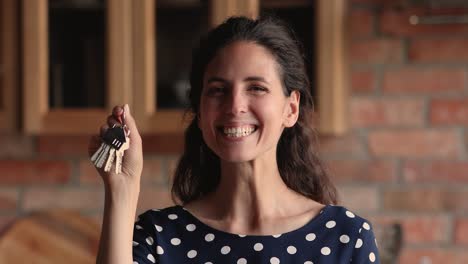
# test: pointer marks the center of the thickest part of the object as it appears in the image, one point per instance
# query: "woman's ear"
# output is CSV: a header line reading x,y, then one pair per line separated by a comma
x,y
292,111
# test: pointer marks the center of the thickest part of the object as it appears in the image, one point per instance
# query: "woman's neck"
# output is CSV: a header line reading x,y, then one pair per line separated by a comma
x,y
252,194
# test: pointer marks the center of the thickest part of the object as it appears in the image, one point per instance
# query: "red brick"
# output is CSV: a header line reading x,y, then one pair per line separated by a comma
x,y
77,199
438,50
363,81
434,255
396,22
425,200
449,111
8,199
436,172
376,51
368,112
415,143
151,173
34,171
348,171
466,140
88,173
361,22
341,145
420,229
358,199
163,143
154,198
461,231
59,145
423,80
16,146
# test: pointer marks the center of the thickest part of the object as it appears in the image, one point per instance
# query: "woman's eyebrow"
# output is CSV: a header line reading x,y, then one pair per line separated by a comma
x,y
248,79
256,78
216,79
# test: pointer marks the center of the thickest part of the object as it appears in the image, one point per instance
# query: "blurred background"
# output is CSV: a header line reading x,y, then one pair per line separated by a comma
x,y
390,80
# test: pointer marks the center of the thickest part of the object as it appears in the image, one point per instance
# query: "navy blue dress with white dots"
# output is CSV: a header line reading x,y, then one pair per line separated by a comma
x,y
174,235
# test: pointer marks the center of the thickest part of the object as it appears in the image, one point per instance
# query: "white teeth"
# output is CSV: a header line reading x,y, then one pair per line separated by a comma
x,y
238,131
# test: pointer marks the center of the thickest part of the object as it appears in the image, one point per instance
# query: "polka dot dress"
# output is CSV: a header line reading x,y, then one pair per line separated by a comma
x,y
174,235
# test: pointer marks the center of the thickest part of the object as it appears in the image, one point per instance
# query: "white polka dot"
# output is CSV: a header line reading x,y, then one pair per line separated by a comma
x,y
360,229
274,260
375,240
310,237
330,224
158,228
175,241
135,243
225,250
242,235
191,227
325,251
172,216
258,246
358,243
344,239
291,250
308,262
209,237
138,227
149,240
372,257
366,226
192,253
151,258
350,214
276,236
242,261
159,250
134,262
208,262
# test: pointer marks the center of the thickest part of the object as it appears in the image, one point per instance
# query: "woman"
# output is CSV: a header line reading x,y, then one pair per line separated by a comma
x,y
250,188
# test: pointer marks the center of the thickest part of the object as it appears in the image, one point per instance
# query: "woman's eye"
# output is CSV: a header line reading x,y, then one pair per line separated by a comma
x,y
213,91
257,88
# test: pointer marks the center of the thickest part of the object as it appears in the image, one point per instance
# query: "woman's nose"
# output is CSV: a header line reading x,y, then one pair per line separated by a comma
x,y
237,103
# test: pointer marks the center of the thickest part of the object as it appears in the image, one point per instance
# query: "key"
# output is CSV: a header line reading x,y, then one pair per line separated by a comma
x,y
102,158
115,137
97,153
110,160
120,154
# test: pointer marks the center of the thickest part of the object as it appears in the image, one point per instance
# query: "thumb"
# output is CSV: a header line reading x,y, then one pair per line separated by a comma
x,y
131,125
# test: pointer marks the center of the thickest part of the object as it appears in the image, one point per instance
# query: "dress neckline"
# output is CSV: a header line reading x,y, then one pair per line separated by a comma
x,y
315,220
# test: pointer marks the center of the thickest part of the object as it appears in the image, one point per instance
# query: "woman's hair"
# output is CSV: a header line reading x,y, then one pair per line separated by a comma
x,y
198,171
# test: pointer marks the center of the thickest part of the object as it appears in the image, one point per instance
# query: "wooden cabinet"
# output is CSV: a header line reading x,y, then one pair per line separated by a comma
x,y
131,65
8,66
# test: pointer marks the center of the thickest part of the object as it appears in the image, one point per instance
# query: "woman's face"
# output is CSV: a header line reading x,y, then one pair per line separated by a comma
x,y
243,109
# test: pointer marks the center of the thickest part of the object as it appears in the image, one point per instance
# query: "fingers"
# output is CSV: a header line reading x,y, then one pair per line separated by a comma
x,y
131,124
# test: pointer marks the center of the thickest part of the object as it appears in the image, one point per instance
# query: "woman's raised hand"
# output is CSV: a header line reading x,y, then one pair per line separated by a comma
x,y
132,164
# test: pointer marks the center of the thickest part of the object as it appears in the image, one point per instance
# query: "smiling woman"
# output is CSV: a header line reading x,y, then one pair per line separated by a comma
x,y
250,187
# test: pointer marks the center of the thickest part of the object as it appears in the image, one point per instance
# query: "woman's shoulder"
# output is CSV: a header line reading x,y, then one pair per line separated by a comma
x,y
160,214
346,218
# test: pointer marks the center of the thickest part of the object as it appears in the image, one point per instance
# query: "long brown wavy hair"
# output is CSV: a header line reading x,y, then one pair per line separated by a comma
x,y
198,171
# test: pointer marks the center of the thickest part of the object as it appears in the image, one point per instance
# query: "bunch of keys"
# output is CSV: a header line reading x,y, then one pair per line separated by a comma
x,y
114,143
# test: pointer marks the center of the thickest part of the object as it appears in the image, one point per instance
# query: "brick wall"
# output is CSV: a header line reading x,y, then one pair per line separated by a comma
x,y
404,160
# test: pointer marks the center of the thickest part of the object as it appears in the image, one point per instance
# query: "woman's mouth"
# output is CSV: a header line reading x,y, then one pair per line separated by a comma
x,y
238,131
